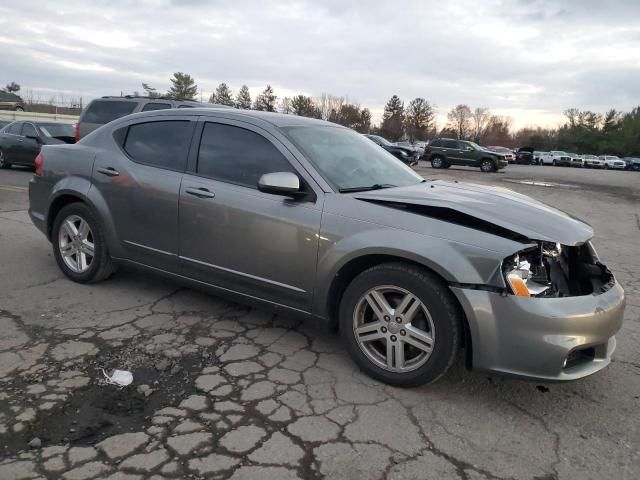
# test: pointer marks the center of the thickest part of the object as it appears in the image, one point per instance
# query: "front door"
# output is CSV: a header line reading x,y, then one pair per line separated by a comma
x,y
237,238
140,184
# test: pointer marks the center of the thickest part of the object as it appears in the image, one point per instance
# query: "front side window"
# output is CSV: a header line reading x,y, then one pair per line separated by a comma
x,y
162,144
237,155
29,130
348,160
449,144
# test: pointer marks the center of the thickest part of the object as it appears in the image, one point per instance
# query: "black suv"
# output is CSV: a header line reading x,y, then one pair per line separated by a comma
x,y
407,155
103,110
444,152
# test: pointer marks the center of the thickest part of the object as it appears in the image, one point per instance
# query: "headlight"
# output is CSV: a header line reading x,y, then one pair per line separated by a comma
x,y
525,280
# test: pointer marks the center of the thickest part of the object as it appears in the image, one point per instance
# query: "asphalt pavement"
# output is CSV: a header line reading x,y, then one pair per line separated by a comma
x,y
221,390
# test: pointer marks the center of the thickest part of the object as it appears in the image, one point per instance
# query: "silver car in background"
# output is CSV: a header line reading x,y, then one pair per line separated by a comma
x,y
314,219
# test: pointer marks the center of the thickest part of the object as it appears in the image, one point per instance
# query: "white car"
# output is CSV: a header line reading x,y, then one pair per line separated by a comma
x,y
611,161
545,158
591,161
576,160
560,158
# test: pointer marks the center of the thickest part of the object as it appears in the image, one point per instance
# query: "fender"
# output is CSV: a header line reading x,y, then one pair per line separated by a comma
x,y
465,263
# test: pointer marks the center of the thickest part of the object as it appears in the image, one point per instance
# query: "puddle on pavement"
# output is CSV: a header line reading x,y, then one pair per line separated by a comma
x,y
539,183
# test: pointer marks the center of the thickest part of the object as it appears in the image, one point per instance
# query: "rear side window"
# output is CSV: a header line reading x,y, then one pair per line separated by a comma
x,y
185,106
104,111
436,143
236,155
449,144
14,128
155,106
159,144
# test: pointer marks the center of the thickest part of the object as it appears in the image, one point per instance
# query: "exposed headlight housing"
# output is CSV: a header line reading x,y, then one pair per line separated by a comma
x,y
403,153
525,279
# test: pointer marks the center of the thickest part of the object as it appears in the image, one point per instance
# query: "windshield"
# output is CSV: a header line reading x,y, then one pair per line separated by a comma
x,y
57,130
382,140
348,160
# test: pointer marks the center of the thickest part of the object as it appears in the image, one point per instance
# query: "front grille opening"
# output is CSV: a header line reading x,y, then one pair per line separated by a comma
x,y
579,357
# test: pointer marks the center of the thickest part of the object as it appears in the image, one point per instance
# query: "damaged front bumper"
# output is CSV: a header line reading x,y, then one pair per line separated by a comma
x,y
550,339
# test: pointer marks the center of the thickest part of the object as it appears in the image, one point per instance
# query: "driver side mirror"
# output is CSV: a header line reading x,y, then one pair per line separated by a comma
x,y
281,183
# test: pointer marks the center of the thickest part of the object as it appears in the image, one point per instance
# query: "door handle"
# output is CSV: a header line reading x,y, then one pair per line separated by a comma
x,y
109,171
199,192
20,139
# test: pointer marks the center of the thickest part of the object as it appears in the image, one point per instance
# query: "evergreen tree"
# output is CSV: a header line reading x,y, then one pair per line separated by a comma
x,y
419,120
266,101
222,95
183,86
243,100
304,106
149,90
392,126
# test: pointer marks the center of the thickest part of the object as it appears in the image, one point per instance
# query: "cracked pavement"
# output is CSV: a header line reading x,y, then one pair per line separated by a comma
x,y
222,391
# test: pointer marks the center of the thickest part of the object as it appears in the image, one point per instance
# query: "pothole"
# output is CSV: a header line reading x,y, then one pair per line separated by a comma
x,y
98,411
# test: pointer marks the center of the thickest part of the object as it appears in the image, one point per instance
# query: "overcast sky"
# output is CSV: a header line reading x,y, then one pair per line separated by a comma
x,y
528,59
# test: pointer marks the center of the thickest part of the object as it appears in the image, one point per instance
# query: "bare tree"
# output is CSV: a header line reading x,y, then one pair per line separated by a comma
x,y
329,105
460,120
480,118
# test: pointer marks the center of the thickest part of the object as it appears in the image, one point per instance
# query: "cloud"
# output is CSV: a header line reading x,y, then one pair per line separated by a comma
x,y
530,58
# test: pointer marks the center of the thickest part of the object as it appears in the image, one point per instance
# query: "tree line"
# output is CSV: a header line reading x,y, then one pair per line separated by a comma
x,y
584,131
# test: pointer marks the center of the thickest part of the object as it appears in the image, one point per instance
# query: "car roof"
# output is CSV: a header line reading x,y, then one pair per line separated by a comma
x,y
276,119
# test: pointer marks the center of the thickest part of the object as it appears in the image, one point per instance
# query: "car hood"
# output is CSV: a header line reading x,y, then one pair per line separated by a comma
x,y
482,207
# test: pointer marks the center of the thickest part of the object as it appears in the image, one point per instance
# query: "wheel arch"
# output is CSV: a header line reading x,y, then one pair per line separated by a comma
x,y
355,266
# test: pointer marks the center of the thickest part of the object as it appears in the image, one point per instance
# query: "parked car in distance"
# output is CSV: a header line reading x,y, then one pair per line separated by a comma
x,y
21,141
592,161
632,163
417,147
408,156
311,218
11,101
613,162
103,110
545,158
504,151
560,158
524,156
444,152
576,160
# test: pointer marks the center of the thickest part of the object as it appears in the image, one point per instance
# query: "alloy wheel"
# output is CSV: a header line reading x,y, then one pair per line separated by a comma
x,y
393,328
436,162
75,241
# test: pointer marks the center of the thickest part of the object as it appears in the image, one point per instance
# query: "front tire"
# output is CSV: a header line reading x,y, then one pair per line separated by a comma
x,y
3,161
487,166
400,324
79,246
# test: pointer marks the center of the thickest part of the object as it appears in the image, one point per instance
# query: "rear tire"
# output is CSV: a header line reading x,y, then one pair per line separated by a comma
x,y
487,166
79,246
417,349
3,162
437,162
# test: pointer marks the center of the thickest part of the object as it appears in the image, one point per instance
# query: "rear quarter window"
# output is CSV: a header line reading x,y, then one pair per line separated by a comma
x,y
104,111
163,144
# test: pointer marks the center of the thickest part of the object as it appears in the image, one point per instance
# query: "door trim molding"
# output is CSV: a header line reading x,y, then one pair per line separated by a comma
x,y
155,250
242,274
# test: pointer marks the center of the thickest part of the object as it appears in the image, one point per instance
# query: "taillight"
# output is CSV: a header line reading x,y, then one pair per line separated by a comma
x,y
39,163
77,132
427,148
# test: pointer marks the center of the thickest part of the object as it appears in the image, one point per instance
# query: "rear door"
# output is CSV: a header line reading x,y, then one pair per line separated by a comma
x,y
241,239
140,181
12,142
451,149
31,143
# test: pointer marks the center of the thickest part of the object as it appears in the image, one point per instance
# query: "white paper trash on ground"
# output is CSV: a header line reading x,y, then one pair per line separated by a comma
x,y
122,378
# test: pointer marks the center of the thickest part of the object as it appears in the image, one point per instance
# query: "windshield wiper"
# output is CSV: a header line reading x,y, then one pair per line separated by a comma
x,y
375,186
